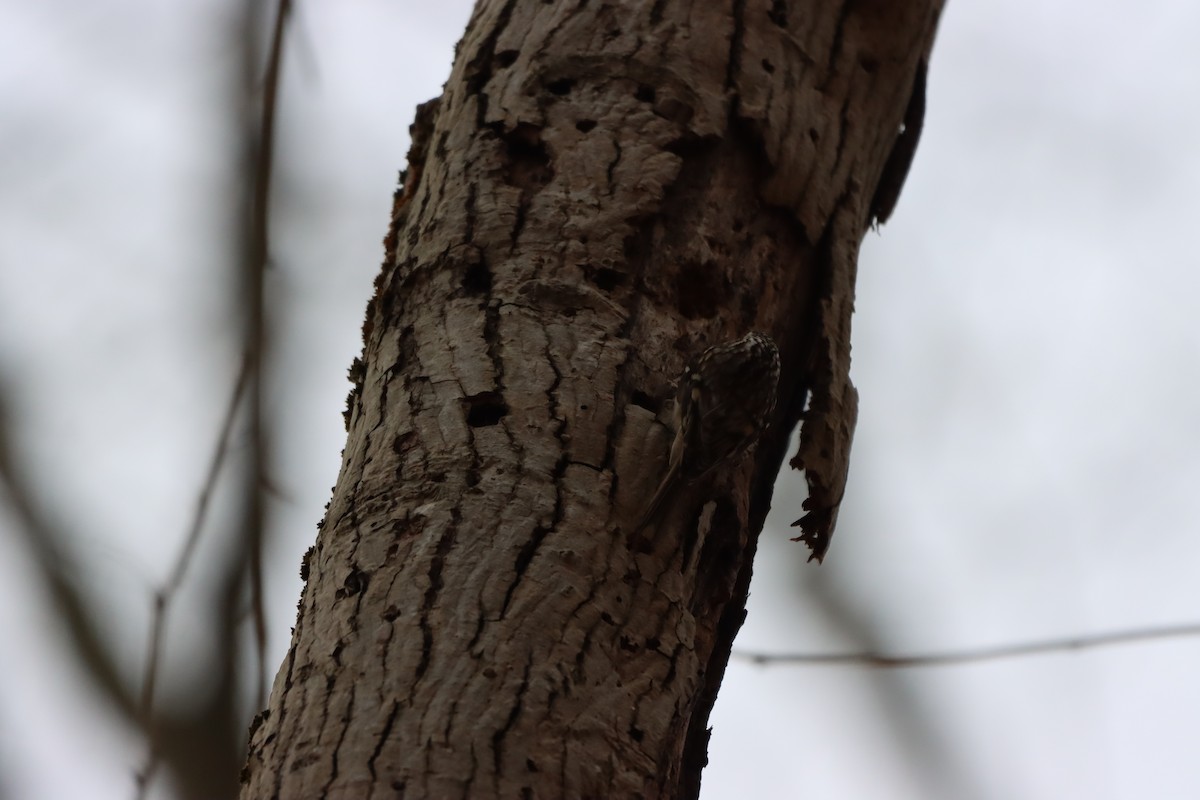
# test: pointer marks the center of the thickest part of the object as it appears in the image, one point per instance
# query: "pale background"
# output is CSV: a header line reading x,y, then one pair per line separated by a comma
x,y
1026,347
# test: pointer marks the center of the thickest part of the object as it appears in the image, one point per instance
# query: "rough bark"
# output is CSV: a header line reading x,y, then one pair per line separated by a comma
x,y
601,190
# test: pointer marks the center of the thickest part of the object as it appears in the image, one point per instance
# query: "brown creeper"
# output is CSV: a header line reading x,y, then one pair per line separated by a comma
x,y
724,401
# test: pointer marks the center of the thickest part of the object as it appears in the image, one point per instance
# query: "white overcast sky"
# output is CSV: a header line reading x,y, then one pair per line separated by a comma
x,y
1026,345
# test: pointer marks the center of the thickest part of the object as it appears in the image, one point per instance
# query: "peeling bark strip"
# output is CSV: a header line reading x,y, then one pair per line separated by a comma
x,y
828,429
602,190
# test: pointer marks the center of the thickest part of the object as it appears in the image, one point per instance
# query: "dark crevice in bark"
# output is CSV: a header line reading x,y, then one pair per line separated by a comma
x,y
585,645
722,547
335,755
506,58
643,400
778,13
387,634
560,420
479,69
560,86
611,170
354,585
656,12
528,166
477,280
617,424
746,138
733,65
690,146
393,715
838,42
491,336
673,664
844,130
355,582
480,623
587,602
485,409
513,713
529,549
436,565
700,291
469,218
469,781
449,721
305,751
691,534
524,557
606,279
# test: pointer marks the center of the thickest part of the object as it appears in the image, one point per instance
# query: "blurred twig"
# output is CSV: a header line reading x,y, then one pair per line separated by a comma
x,y
950,658
256,339
205,747
166,593
45,539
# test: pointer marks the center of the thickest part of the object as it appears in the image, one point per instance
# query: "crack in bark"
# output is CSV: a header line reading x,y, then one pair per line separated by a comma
x,y
835,51
445,542
513,713
393,715
733,65
480,620
469,219
611,169
472,772
315,746
491,336
843,130
479,69
656,12
529,549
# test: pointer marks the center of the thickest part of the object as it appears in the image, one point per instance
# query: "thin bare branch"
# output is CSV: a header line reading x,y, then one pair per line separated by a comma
x,y
166,593
207,742
952,658
256,338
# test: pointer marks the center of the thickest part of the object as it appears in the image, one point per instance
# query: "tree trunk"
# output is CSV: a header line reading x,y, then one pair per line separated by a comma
x,y
602,190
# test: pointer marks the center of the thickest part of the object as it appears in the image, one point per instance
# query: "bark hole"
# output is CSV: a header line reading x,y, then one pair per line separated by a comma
x,y
643,400
477,280
778,13
528,161
355,582
699,295
485,408
605,278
